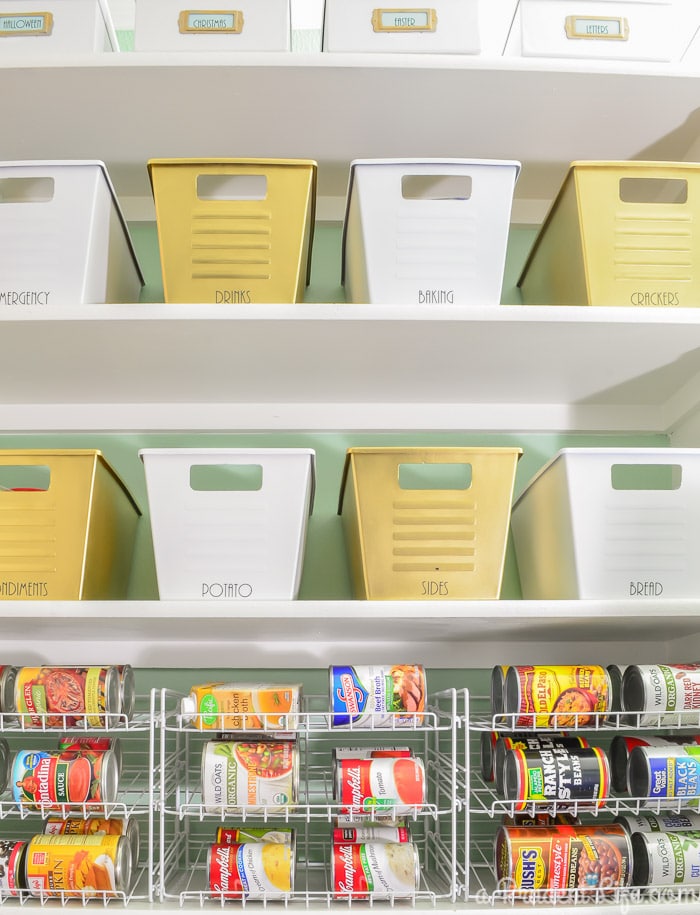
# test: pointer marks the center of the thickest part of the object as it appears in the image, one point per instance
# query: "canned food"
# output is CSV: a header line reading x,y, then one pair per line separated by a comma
x,y
377,870
384,786
127,690
662,692
8,675
45,781
255,870
563,858
670,821
359,835
4,764
90,744
666,858
12,854
278,835
67,697
77,866
657,773
260,776
377,697
540,819
98,826
616,672
348,819
622,745
529,741
498,684
564,696
561,777
243,707
487,751
369,752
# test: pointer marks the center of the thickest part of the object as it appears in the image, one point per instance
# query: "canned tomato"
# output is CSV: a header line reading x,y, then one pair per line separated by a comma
x,y
67,697
97,826
657,773
260,776
359,835
622,745
559,776
278,835
12,867
253,870
662,692
377,870
127,690
666,858
8,675
377,697
564,696
91,744
529,741
42,780
498,685
383,786
369,752
563,858
669,821
487,751
75,866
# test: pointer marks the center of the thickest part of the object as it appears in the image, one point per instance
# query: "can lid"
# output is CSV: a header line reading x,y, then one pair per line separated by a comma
x,y
638,779
188,707
618,762
486,754
4,763
511,780
122,865
632,690
133,834
7,689
109,777
113,697
640,859
127,690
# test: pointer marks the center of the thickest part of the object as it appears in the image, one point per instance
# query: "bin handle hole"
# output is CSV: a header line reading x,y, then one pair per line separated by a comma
x,y
653,190
26,190
665,477
25,477
232,187
436,187
435,476
226,477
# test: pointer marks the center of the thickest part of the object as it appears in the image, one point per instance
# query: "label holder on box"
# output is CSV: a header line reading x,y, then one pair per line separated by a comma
x,y
597,28
12,24
219,21
404,20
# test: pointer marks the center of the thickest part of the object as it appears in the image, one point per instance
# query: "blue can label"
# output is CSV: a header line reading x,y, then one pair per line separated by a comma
x,y
377,697
674,776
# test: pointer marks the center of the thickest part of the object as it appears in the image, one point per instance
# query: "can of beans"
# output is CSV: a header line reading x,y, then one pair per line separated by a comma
x,y
385,696
622,745
664,821
369,752
92,744
563,696
662,693
12,854
253,870
529,741
8,675
666,858
259,776
235,835
46,781
487,752
67,697
127,690
375,870
563,858
559,776
359,835
657,773
381,786
498,685
77,866
98,826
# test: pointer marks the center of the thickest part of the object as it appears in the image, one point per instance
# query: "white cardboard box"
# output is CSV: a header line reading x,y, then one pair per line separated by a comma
x,y
34,28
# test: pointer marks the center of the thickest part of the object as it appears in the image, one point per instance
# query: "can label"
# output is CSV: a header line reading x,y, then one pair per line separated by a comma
x,y
366,786
278,835
673,857
671,689
62,696
622,746
377,697
85,826
560,776
358,835
42,780
259,776
530,742
228,707
10,874
378,870
660,822
370,752
257,870
673,775
557,697
73,865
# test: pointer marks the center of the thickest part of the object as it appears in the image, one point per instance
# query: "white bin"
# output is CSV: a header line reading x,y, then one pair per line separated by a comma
x,y
443,26
249,25
223,538
35,28
606,523
63,239
651,30
427,232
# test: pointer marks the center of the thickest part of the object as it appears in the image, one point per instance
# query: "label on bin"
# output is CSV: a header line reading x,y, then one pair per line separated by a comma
x,y
26,24
404,20
600,27
190,21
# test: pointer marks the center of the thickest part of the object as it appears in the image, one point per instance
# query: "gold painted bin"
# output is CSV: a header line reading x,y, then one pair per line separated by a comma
x,y
70,538
619,233
234,231
427,523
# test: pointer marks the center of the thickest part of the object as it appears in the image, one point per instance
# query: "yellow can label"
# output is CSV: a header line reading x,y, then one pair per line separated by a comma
x,y
72,865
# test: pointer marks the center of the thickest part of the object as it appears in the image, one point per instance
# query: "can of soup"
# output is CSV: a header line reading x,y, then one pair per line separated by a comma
x,y
375,870
563,696
77,866
530,741
664,821
239,835
258,776
560,777
666,858
366,787
360,835
623,744
253,870
659,773
47,781
66,697
12,854
98,826
92,744
662,694
389,696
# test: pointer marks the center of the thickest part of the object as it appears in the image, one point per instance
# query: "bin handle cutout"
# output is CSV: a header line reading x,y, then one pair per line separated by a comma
x,y
436,187
24,477
662,477
429,476
26,190
232,187
226,477
654,190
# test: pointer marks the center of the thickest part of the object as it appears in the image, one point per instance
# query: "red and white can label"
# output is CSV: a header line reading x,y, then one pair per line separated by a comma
x,y
378,870
255,870
353,835
380,786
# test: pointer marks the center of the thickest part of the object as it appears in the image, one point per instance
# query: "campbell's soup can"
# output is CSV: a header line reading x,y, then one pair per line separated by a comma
x,y
46,781
259,776
529,741
377,697
92,744
623,744
369,752
97,826
359,835
239,835
561,777
663,821
376,870
77,866
8,675
253,870
382,786
67,697
12,854
562,696
660,694
660,773
666,858
563,858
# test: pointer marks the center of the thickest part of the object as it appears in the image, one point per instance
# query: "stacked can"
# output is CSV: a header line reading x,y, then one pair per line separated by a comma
x,y
260,776
382,696
49,780
559,777
665,846
98,826
564,696
531,742
252,863
77,866
12,853
658,774
623,744
379,785
662,694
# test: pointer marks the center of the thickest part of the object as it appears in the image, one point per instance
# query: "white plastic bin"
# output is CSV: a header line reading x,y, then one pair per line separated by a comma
x,y
35,28
607,523
652,30
249,25
229,524
442,26
427,232
63,239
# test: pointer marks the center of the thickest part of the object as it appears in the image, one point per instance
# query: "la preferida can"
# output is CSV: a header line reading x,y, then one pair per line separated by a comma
x,y
67,697
258,776
12,854
252,870
529,741
558,858
77,866
47,781
623,744
663,821
365,787
662,694
375,870
666,858
97,826
659,773
562,696
391,696
559,777
243,707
